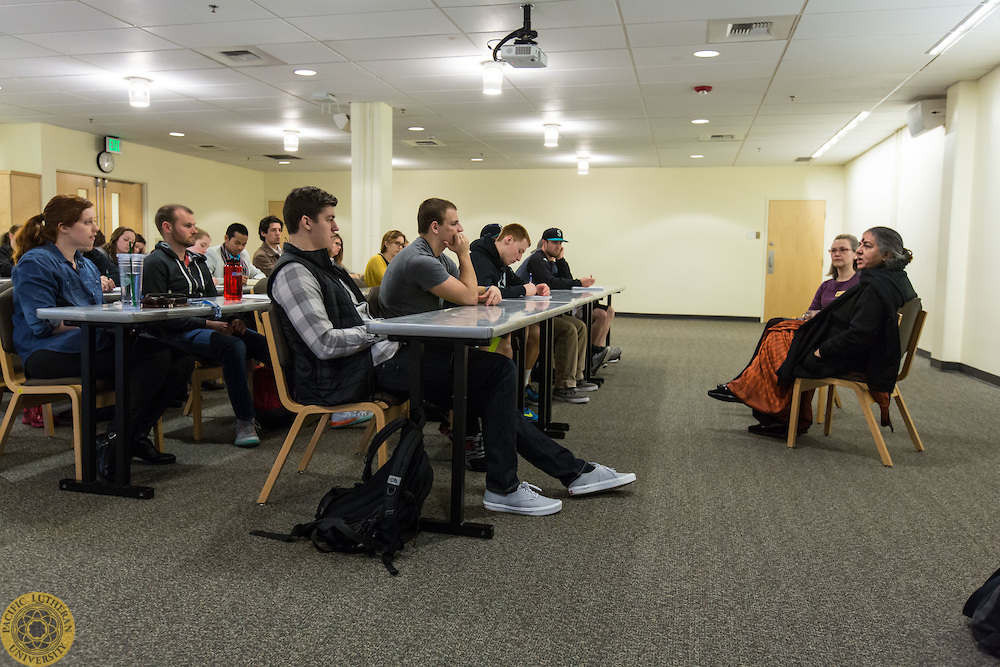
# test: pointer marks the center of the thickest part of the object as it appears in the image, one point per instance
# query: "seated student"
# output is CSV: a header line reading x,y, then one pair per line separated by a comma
x,y
171,268
232,249
51,270
419,279
492,254
140,244
547,265
269,231
392,242
122,241
202,240
337,255
99,257
7,251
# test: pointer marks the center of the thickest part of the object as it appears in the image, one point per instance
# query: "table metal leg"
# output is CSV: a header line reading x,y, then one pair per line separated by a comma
x,y
123,451
545,423
588,315
456,525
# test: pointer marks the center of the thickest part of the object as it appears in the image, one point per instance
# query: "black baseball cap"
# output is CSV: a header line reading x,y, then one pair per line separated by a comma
x,y
492,230
552,234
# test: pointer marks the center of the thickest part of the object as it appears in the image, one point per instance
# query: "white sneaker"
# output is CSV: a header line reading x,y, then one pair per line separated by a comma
x,y
342,419
614,355
569,395
583,385
601,478
523,500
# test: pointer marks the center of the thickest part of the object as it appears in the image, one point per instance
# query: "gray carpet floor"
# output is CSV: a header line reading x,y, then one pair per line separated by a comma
x,y
729,550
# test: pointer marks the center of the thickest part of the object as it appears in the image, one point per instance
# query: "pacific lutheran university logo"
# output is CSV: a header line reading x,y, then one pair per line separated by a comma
x,y
37,629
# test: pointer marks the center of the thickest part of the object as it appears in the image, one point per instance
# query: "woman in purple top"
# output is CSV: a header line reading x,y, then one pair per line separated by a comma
x,y
842,253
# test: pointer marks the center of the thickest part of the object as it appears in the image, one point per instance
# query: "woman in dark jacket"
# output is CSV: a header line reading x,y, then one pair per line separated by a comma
x,y
857,333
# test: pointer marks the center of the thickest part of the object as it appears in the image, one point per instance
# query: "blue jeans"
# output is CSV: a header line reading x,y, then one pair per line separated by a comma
x,y
230,352
492,397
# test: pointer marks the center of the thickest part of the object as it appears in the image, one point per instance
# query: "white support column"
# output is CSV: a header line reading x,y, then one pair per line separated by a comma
x,y
956,218
371,178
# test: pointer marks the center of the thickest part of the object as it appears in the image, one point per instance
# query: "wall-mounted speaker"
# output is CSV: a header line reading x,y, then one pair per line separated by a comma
x,y
925,115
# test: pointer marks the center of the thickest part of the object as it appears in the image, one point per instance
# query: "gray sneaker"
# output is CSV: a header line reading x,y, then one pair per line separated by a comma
x,y
614,355
601,478
569,395
525,499
246,434
598,360
583,385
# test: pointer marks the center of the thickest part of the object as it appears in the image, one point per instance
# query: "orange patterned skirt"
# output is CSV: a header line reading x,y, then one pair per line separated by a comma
x,y
757,386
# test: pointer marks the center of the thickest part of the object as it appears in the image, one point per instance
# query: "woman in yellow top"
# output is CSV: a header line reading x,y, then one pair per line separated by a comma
x,y
392,242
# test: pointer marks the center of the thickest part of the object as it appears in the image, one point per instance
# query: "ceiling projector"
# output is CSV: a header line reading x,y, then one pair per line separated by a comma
x,y
523,55
524,52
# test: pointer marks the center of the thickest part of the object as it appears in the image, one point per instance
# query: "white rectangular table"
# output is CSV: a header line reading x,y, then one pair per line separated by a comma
x,y
112,316
465,326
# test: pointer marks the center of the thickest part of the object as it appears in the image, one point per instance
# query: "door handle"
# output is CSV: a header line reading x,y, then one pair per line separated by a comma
x,y
770,262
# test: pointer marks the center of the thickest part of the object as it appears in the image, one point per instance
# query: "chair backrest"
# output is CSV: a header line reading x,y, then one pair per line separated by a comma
x,y
9,359
911,323
260,287
374,309
277,346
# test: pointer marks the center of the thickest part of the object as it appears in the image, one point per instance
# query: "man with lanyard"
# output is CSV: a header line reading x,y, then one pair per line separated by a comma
x,y
172,268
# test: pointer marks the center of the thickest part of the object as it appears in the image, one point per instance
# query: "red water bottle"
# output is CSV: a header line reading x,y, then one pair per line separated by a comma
x,y
232,283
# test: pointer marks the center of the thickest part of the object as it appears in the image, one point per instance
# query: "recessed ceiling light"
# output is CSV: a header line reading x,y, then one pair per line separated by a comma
x,y
697,156
477,159
284,162
176,134
700,121
415,128
305,72
705,54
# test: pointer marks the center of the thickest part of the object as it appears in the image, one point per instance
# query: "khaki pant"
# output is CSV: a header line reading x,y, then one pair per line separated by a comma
x,y
569,356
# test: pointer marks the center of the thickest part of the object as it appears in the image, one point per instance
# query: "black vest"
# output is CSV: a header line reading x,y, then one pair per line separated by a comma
x,y
325,381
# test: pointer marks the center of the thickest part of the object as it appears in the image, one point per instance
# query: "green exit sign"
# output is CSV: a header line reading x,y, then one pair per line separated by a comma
x,y
113,145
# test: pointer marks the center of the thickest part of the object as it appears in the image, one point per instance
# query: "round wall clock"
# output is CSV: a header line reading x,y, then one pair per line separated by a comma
x,y
105,161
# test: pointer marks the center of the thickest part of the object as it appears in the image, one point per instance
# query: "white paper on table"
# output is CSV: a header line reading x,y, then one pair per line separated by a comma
x,y
587,289
536,297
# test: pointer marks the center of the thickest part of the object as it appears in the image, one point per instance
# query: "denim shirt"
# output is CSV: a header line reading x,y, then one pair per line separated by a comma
x,y
43,278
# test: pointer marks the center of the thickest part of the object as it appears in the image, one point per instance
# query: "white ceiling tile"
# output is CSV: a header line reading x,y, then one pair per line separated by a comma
x,y
54,66
680,33
534,78
697,74
39,100
144,14
544,16
27,19
284,8
836,6
860,47
298,53
430,46
370,25
649,11
899,67
729,54
144,62
573,95
879,23
11,47
83,42
231,34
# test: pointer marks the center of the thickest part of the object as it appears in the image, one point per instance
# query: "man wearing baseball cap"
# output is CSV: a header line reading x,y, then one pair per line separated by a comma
x,y
548,266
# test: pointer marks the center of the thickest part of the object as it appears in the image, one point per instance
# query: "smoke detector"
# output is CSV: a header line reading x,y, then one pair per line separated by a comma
x,y
703,90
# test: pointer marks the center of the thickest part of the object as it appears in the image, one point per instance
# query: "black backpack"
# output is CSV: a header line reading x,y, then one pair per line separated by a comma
x,y
379,514
983,608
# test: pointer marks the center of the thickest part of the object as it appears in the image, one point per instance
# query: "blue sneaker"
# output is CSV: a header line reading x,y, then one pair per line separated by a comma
x,y
342,419
530,395
530,415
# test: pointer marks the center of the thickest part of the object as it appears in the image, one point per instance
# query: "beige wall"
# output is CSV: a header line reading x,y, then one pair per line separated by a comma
x,y
677,238
219,194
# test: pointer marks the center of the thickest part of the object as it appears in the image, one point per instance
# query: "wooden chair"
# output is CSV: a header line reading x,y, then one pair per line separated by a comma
x,y
384,412
30,393
202,373
911,323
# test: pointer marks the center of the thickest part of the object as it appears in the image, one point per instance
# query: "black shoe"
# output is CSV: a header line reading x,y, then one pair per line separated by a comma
x,y
212,385
106,457
779,431
144,450
722,393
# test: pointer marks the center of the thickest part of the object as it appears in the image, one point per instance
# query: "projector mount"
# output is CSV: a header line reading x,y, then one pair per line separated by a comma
x,y
524,35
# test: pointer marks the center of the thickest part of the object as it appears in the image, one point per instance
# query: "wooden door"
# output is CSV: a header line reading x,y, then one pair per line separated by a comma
x,y
20,198
118,203
795,256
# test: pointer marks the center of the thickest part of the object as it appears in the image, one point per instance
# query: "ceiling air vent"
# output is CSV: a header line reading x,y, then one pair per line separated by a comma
x,y
735,136
429,141
210,147
241,56
803,159
756,29
283,157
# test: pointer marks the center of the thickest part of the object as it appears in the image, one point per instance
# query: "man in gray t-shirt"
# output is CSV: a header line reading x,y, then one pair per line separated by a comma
x,y
419,279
